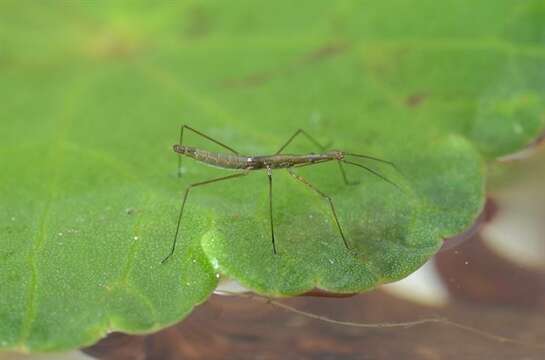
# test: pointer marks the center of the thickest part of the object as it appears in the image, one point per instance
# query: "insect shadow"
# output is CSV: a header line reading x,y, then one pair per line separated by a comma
x,y
244,164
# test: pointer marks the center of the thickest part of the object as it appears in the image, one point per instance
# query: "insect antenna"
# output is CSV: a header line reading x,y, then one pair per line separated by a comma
x,y
374,172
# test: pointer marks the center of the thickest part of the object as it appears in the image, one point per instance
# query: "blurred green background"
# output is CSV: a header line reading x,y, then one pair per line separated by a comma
x,y
92,97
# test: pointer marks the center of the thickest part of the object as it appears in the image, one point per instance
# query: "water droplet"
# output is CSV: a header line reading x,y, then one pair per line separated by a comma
x,y
60,234
315,118
215,263
135,238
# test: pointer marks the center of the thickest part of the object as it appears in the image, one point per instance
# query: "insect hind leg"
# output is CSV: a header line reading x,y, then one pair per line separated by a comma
x,y
374,172
325,196
345,177
321,147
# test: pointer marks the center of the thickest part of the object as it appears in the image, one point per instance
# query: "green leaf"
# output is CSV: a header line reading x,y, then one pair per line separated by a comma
x,y
92,99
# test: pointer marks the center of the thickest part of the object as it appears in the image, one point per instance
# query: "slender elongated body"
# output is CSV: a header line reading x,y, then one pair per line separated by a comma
x,y
244,164
241,162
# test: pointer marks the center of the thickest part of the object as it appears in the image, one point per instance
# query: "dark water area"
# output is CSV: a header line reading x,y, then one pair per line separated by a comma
x,y
489,294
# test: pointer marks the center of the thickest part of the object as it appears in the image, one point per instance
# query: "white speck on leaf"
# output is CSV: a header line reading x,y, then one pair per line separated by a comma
x,y
517,128
315,117
215,263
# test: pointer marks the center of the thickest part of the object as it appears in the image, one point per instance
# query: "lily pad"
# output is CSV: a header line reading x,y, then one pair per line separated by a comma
x,y
93,97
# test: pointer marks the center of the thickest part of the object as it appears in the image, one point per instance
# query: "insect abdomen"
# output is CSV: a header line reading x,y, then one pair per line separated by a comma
x,y
221,160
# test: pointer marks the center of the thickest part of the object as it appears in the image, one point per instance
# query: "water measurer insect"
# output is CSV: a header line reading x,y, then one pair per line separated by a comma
x,y
244,164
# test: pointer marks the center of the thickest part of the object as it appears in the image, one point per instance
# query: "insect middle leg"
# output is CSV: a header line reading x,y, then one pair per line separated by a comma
x,y
269,174
308,184
191,186
182,128
301,132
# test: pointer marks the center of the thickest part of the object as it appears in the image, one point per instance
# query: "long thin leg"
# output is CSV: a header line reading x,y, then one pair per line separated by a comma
x,y
376,173
304,181
319,146
204,136
341,169
269,174
310,138
375,159
345,178
183,205
179,157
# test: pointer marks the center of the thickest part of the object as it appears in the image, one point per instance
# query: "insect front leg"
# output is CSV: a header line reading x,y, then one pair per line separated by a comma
x,y
183,127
